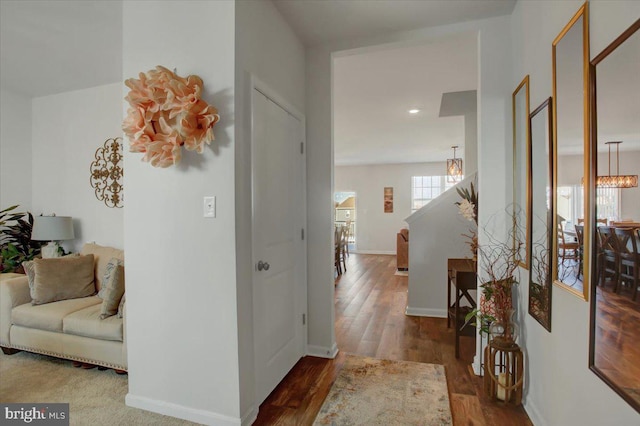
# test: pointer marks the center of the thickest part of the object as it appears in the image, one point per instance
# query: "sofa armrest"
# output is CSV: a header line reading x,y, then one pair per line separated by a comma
x,y
13,292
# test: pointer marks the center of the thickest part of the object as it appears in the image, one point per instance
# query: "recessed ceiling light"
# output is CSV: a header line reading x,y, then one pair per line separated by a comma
x,y
414,111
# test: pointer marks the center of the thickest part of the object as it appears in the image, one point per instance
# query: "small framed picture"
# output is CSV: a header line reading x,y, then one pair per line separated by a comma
x,y
388,199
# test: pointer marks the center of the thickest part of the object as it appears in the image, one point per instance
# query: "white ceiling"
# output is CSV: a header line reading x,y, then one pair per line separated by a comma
x,y
320,21
373,92
49,47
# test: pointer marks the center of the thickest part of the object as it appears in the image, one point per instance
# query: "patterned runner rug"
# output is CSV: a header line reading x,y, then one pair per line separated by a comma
x,y
372,391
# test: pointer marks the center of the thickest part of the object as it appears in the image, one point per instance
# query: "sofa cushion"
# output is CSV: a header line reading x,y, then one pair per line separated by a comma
x,y
87,323
49,316
102,255
112,288
62,278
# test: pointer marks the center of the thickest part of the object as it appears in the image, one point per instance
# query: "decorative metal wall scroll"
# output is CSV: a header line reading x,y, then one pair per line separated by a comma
x,y
107,172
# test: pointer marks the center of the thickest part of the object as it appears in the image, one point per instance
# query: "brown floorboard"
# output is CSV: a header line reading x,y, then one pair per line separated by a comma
x,y
370,321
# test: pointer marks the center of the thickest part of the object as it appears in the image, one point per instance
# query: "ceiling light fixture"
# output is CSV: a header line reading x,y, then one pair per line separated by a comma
x,y
617,180
454,167
414,111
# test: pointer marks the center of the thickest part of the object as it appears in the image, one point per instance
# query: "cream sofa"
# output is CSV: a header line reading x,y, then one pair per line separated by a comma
x,y
70,329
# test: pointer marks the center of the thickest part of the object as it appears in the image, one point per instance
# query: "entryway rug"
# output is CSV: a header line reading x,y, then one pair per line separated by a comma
x,y
372,391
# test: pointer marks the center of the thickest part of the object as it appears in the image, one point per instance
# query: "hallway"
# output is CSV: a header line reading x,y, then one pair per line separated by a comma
x,y
370,321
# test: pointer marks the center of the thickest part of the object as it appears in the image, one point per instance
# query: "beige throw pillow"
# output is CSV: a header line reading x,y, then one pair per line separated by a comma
x,y
121,306
62,278
112,288
30,269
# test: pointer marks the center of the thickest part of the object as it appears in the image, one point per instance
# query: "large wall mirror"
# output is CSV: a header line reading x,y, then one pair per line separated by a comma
x,y
541,219
571,154
615,298
521,143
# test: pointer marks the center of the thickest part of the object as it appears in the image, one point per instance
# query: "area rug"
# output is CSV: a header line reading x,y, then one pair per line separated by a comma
x,y
372,391
95,397
401,273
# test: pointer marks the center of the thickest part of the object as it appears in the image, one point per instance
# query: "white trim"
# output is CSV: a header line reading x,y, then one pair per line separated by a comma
x,y
180,411
323,351
426,312
250,416
533,413
374,252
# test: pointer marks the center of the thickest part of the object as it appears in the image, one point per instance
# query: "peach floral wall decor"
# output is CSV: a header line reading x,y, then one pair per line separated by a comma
x,y
166,113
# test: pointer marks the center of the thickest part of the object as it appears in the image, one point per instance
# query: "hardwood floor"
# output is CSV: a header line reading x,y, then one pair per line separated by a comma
x,y
617,353
370,321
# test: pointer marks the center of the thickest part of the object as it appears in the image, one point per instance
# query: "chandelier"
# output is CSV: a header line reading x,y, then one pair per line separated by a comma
x,y
617,180
454,167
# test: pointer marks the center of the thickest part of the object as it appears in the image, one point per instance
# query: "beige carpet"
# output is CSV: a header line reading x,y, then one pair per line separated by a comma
x,y
371,391
95,397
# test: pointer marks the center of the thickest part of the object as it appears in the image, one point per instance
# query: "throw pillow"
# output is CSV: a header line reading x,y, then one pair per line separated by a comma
x,y
110,274
112,288
121,307
30,270
62,278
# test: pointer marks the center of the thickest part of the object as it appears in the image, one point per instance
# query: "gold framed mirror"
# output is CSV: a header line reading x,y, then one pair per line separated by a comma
x,y
521,166
571,159
615,294
540,216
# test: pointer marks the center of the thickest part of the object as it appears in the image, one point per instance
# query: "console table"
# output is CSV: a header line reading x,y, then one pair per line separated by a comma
x,y
462,277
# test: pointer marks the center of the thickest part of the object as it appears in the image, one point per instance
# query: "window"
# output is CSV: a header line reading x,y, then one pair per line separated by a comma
x,y
571,205
426,188
608,203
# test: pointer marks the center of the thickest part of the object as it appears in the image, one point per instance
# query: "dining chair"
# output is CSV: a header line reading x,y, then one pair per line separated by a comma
x,y
567,250
608,258
627,245
580,236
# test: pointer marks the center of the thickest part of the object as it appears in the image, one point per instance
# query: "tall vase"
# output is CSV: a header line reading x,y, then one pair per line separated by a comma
x,y
504,329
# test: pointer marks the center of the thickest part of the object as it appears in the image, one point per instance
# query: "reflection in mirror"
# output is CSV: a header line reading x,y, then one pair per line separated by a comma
x,y
521,142
571,141
615,298
541,221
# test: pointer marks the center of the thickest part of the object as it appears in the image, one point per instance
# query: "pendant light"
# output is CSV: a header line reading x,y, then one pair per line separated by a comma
x,y
454,167
617,180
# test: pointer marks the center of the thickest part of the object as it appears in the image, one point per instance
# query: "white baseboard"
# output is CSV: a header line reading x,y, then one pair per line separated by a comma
x,y
426,312
533,413
393,253
250,416
186,413
323,351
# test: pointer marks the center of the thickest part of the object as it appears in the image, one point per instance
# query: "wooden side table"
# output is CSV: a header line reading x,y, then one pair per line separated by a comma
x,y
462,276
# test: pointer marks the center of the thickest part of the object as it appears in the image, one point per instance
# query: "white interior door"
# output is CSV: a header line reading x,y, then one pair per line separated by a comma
x,y
279,277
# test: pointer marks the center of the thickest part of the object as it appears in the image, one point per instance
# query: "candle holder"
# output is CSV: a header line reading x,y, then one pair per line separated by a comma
x,y
503,371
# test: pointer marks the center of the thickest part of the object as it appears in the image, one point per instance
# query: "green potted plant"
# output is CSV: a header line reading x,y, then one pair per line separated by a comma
x,y
16,245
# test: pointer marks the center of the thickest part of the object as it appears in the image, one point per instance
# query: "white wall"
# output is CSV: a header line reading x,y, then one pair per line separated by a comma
x,y
571,174
68,128
15,150
560,389
182,315
376,230
494,109
435,235
267,48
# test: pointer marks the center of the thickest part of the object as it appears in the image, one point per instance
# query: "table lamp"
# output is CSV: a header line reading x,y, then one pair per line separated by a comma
x,y
52,229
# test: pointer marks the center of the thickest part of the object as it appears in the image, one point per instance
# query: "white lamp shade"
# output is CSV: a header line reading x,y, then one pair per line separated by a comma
x,y
52,228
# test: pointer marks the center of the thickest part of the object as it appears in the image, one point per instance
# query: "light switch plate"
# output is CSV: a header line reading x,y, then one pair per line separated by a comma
x,y
209,207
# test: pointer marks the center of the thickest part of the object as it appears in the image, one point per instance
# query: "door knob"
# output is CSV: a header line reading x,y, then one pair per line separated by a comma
x,y
263,266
